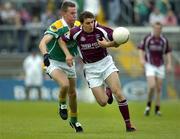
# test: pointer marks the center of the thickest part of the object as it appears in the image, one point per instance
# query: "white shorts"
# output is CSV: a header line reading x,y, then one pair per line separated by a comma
x,y
70,71
97,72
152,70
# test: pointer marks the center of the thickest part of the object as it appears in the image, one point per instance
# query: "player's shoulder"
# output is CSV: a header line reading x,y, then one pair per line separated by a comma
x,y
55,26
102,27
76,29
77,23
148,36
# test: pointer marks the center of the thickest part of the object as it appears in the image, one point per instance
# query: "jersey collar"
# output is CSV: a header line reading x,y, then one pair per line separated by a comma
x,y
64,22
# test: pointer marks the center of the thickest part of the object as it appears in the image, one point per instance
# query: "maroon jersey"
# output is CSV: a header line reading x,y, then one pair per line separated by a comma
x,y
154,49
87,43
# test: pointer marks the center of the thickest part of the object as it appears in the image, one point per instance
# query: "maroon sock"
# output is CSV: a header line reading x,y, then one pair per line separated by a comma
x,y
149,104
157,108
123,107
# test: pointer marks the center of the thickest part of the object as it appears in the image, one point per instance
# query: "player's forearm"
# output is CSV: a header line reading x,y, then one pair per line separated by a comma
x,y
64,47
141,56
42,48
106,44
169,59
112,44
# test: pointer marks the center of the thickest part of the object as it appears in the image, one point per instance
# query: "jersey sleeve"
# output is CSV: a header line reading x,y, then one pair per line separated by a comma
x,y
141,46
143,43
107,32
55,29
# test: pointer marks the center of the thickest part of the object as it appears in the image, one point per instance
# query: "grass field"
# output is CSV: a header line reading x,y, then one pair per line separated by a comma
x,y
39,120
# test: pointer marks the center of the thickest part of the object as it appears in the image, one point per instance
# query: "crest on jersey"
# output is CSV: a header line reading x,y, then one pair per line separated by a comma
x,y
83,39
53,28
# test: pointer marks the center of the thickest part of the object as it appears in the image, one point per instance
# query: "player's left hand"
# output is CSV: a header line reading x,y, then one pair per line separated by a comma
x,y
69,60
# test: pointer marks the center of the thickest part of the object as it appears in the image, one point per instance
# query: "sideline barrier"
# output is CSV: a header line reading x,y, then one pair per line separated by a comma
x,y
13,89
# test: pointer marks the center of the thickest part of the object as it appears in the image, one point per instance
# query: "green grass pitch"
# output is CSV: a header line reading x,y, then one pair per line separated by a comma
x,y
39,120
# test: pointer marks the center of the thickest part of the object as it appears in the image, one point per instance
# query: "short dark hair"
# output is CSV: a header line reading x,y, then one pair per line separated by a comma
x,y
66,4
84,15
158,23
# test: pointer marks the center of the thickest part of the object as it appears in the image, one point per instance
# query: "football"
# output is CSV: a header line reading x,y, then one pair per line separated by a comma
x,y
120,35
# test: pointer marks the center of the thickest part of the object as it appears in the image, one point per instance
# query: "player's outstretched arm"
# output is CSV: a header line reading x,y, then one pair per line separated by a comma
x,y
69,57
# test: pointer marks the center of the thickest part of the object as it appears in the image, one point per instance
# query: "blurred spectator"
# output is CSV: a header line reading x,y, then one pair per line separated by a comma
x,y
24,16
8,14
80,4
105,8
34,32
36,8
32,66
141,9
92,6
1,9
20,32
163,6
156,16
170,19
47,18
178,18
114,12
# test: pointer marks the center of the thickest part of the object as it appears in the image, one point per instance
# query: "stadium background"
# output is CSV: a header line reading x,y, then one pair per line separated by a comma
x,y
22,23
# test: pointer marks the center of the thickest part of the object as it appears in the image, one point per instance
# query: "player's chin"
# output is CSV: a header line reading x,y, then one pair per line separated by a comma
x,y
73,20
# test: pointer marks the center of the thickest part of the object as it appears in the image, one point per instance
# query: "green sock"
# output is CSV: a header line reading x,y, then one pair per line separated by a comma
x,y
73,119
62,103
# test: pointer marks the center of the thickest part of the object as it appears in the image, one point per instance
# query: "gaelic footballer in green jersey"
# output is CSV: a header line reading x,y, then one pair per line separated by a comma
x,y
55,56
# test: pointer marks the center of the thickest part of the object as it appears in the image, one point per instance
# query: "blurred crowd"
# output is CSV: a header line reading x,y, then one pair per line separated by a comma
x,y
22,22
112,12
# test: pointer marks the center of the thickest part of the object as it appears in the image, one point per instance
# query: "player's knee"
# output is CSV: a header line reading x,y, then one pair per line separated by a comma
x,y
152,88
159,90
102,103
116,91
65,87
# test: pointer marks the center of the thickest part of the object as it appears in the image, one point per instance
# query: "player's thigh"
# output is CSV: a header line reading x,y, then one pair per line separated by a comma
x,y
151,81
99,94
60,77
113,81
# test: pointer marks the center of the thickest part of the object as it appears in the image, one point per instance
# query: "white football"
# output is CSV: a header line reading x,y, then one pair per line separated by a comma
x,y
120,35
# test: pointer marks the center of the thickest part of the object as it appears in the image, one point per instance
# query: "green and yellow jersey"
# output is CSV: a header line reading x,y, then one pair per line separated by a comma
x,y
58,29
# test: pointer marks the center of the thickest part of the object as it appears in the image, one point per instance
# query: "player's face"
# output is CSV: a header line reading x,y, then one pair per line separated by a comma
x,y
70,15
157,30
88,25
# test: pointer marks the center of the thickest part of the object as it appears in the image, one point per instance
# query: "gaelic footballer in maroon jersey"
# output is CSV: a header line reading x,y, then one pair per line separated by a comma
x,y
99,67
152,50
90,51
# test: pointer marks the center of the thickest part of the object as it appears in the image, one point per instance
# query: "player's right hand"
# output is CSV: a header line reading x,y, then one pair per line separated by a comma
x,y
69,60
46,60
